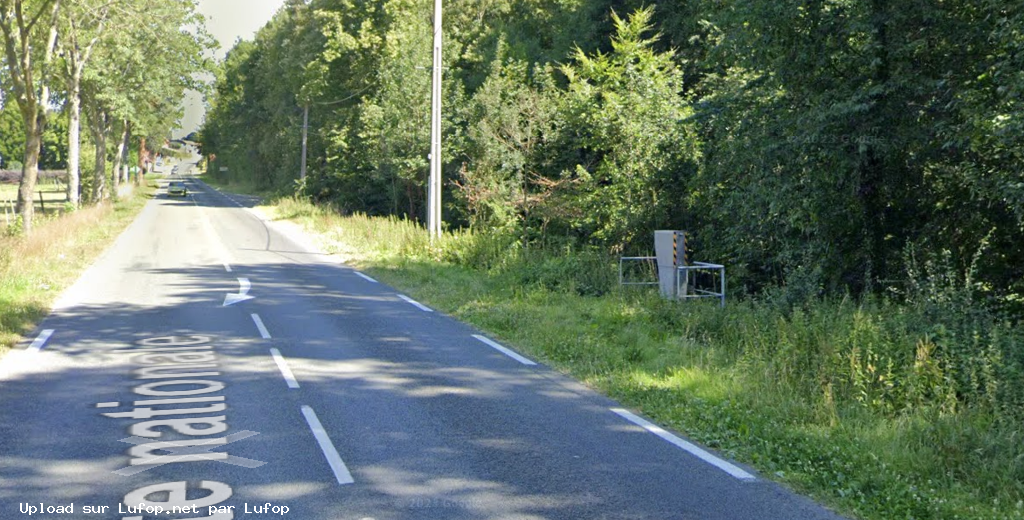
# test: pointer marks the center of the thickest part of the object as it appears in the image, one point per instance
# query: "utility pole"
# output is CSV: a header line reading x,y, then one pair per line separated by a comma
x,y
305,131
434,184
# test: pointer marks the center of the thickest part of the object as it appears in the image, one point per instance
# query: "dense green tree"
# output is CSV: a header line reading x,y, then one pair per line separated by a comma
x,y
136,78
12,136
825,156
53,154
53,150
811,143
624,124
130,62
255,119
982,208
513,113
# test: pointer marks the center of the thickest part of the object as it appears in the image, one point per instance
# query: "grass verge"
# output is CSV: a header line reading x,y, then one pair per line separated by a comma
x,y
234,185
34,270
49,199
880,410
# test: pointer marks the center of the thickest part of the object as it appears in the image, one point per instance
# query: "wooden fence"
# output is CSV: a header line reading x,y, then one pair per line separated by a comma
x,y
50,195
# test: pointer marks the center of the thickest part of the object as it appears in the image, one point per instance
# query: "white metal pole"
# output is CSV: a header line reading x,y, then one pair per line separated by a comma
x,y
305,130
434,184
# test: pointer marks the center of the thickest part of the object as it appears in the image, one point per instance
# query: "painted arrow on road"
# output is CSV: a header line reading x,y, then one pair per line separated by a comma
x,y
243,293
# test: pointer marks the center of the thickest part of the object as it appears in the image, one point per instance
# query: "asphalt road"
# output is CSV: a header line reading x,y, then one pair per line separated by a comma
x,y
212,359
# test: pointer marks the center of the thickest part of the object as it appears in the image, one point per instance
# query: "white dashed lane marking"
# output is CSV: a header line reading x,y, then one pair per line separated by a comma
x,y
264,333
282,365
341,472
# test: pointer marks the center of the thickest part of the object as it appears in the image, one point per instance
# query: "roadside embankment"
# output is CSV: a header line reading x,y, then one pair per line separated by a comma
x,y
881,409
35,269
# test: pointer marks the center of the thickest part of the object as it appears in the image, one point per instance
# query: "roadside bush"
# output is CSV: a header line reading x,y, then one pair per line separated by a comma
x,y
14,229
482,251
582,272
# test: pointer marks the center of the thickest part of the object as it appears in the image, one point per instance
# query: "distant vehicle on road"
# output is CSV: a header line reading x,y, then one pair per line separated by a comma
x,y
177,188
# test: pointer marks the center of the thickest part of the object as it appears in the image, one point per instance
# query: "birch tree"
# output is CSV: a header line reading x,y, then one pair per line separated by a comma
x,y
82,25
137,77
29,29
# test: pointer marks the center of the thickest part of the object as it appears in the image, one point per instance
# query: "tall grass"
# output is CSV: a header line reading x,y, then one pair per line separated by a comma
x,y
35,269
884,409
395,241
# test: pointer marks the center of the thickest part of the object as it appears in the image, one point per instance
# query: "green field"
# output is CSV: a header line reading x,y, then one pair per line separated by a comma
x,y
49,198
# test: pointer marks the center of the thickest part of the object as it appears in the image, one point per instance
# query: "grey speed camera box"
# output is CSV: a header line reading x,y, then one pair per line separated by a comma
x,y
670,250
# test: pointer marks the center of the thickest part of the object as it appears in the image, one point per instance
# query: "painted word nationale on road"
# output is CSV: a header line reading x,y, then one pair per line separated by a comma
x,y
163,361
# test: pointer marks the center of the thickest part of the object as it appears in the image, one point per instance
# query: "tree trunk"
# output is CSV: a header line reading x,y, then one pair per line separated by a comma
x,y
126,176
74,143
122,144
21,73
29,172
412,203
872,165
143,161
99,173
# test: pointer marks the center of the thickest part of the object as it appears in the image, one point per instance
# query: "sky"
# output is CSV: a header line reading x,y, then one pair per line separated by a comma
x,y
226,20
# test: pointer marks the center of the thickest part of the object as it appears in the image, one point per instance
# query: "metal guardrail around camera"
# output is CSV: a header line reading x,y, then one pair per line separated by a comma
x,y
676,277
686,281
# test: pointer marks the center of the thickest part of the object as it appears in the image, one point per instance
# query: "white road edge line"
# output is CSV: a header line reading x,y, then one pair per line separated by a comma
x,y
694,450
419,305
259,325
282,365
337,465
363,276
40,340
487,341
